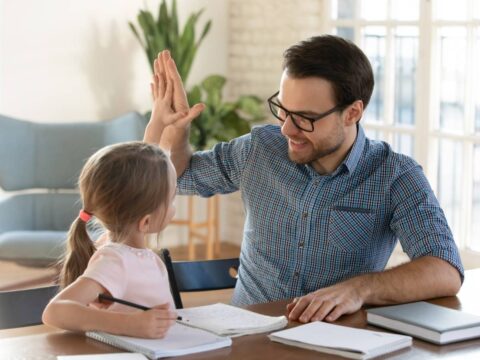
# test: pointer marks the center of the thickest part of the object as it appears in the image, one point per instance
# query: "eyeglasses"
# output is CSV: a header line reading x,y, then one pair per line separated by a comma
x,y
304,123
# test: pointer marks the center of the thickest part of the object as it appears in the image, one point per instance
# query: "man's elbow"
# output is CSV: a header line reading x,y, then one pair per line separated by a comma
x,y
453,281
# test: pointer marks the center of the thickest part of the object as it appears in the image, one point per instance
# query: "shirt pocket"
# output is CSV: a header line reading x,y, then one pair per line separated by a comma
x,y
350,229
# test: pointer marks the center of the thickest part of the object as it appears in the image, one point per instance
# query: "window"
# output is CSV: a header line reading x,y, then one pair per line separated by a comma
x,y
426,102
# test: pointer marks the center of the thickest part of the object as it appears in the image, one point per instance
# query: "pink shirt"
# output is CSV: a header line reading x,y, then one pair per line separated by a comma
x,y
132,274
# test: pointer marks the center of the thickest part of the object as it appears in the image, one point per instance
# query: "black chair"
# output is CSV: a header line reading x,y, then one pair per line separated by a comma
x,y
24,307
204,275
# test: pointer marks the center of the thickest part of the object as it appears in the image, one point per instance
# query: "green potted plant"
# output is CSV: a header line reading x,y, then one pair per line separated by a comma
x,y
220,121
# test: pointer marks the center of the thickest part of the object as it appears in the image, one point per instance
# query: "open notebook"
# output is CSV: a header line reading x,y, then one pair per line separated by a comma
x,y
180,340
342,340
227,320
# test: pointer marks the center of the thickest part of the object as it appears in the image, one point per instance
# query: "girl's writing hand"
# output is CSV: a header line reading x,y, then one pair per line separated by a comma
x,y
152,324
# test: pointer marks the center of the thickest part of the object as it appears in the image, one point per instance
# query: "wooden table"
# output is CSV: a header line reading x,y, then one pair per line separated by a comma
x,y
43,342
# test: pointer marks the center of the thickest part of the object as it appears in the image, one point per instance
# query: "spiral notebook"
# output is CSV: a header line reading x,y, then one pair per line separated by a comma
x,y
180,340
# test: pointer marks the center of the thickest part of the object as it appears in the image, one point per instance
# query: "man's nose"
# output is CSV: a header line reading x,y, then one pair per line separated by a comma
x,y
288,127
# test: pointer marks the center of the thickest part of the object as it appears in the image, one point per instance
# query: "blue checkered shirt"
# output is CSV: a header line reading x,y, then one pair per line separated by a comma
x,y
305,231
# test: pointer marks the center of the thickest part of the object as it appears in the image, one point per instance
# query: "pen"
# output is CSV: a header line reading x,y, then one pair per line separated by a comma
x,y
125,302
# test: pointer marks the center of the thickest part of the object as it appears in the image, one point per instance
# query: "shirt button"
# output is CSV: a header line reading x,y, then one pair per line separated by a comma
x,y
301,243
305,214
296,274
316,182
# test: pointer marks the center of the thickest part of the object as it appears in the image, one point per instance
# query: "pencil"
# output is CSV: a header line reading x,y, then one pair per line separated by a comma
x,y
125,302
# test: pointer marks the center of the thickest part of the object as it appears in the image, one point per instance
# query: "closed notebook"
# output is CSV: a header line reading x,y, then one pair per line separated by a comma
x,y
113,356
426,321
227,320
341,340
180,340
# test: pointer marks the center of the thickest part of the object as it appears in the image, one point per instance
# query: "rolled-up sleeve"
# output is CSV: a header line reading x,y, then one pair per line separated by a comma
x,y
418,220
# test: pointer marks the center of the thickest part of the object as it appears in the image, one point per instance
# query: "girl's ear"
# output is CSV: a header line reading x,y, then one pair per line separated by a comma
x,y
144,224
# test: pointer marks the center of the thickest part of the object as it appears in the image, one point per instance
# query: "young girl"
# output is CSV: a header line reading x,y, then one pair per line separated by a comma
x,y
130,189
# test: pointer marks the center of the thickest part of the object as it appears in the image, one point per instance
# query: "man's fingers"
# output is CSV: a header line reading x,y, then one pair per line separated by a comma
x,y
291,305
169,92
160,74
180,102
172,70
176,117
196,110
337,312
299,307
324,308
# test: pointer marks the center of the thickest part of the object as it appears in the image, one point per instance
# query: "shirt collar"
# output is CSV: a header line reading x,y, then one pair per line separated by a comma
x,y
352,159
350,163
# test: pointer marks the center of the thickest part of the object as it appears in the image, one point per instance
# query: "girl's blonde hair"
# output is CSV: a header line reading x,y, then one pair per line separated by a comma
x,y
119,185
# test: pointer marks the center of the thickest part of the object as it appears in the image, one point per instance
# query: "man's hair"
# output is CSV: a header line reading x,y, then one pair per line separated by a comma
x,y
334,59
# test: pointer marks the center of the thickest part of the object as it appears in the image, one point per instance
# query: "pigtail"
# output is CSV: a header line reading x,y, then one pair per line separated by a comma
x,y
80,249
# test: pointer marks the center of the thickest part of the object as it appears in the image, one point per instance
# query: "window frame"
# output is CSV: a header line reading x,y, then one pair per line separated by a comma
x,y
427,98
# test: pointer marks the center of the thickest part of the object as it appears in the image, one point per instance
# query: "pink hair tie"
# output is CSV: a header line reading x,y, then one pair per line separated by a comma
x,y
84,216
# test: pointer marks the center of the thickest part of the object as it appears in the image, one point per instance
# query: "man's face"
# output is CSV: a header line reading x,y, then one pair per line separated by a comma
x,y
310,96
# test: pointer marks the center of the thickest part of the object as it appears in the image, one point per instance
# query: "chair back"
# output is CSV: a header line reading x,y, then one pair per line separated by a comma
x,y
24,307
203,275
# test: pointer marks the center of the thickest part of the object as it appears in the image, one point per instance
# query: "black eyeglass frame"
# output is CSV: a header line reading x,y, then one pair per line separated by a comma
x,y
288,113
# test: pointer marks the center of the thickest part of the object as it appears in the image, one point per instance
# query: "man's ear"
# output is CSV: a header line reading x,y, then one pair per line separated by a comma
x,y
144,224
353,113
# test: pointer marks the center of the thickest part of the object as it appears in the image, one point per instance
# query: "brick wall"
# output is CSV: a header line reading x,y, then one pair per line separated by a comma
x,y
259,32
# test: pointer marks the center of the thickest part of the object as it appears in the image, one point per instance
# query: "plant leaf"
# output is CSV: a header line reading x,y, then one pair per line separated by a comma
x,y
251,105
205,31
163,22
194,95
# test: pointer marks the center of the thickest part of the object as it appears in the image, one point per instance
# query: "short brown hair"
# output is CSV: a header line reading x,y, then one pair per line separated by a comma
x,y
334,59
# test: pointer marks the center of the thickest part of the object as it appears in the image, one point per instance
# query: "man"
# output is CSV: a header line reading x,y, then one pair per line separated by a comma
x,y
324,204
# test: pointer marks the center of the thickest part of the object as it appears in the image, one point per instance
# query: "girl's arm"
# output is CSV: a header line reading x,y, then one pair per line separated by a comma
x,y
70,310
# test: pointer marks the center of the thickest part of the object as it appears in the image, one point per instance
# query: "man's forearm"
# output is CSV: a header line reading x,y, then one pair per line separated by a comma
x,y
424,278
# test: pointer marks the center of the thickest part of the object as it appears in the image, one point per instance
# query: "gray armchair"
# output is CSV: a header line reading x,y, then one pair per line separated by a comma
x,y
39,168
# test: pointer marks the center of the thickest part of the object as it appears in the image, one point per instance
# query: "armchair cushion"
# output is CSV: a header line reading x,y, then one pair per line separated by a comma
x,y
33,247
52,155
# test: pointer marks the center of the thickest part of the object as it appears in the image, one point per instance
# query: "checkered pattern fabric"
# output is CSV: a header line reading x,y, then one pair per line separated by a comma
x,y
305,231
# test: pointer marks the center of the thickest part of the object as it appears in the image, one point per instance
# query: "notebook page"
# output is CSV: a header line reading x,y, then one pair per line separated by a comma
x,y
340,337
222,318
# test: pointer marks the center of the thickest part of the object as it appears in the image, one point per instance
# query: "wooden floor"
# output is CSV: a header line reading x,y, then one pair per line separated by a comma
x,y
13,276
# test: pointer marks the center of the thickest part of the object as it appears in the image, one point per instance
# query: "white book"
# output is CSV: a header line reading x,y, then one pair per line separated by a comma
x,y
113,356
342,340
434,323
180,340
227,320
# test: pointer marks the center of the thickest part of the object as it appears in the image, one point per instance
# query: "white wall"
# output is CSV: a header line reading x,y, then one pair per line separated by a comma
x,y
70,60
77,60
